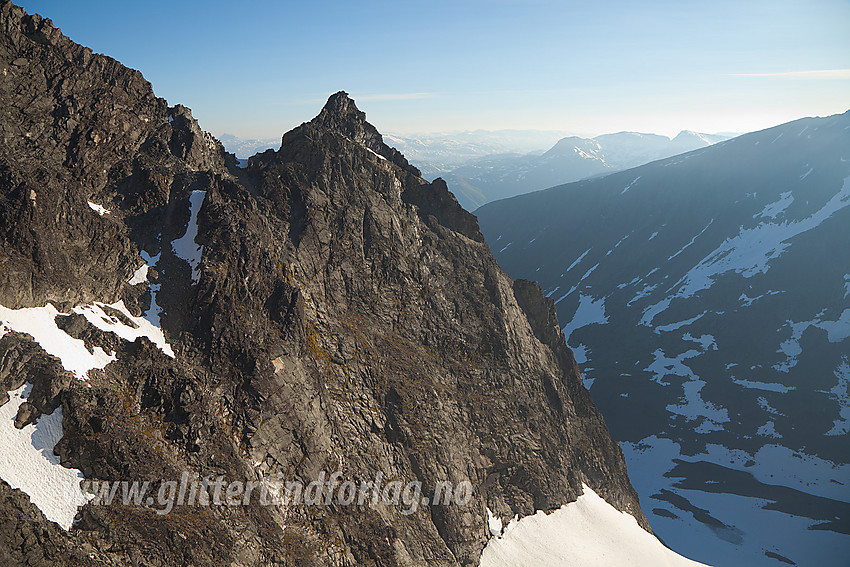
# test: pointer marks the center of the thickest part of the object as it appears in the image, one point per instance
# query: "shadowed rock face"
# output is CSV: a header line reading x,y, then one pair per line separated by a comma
x,y
346,315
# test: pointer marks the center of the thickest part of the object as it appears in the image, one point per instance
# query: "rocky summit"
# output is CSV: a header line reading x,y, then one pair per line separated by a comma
x,y
322,309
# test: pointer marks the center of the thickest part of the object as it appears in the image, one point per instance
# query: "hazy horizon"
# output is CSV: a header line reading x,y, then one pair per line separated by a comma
x,y
658,67
517,130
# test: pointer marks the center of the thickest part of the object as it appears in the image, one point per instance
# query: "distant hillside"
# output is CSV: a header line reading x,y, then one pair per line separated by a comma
x,y
497,177
707,299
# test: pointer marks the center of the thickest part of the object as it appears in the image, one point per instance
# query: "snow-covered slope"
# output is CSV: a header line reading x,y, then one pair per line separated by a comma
x,y
707,299
40,323
586,533
27,461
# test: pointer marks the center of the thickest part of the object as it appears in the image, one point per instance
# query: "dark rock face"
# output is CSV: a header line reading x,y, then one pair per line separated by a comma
x,y
344,315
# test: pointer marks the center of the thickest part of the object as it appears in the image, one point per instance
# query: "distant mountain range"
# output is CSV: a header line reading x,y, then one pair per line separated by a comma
x,y
495,177
436,154
707,299
246,147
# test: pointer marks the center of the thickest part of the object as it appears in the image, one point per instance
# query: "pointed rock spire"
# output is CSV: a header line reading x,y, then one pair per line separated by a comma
x,y
341,116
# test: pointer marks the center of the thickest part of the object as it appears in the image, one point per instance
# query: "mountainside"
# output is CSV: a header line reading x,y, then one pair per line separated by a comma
x,y
707,298
168,315
497,177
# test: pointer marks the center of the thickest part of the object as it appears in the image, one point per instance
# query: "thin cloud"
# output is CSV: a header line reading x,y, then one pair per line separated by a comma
x,y
393,96
824,74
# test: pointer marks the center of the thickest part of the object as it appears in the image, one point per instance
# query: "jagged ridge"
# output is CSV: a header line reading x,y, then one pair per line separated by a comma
x,y
345,314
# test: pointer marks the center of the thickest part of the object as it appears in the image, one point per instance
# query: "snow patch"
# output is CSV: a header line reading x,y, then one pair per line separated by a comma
x,y
97,316
580,353
589,311
663,366
572,289
775,464
746,300
749,253
764,386
575,287
140,275
98,209
577,260
153,314
653,310
587,273
686,246
376,154
185,247
676,326
841,393
629,186
768,430
27,462
650,459
647,289
706,341
588,532
692,406
494,524
836,331
772,210
40,323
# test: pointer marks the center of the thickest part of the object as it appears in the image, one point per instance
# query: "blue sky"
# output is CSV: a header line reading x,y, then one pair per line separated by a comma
x,y
261,68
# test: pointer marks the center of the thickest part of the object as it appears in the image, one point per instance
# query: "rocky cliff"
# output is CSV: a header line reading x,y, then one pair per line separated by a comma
x,y
327,309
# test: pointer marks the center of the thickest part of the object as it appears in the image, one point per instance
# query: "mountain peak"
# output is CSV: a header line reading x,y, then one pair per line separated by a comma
x,y
341,115
687,134
341,108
